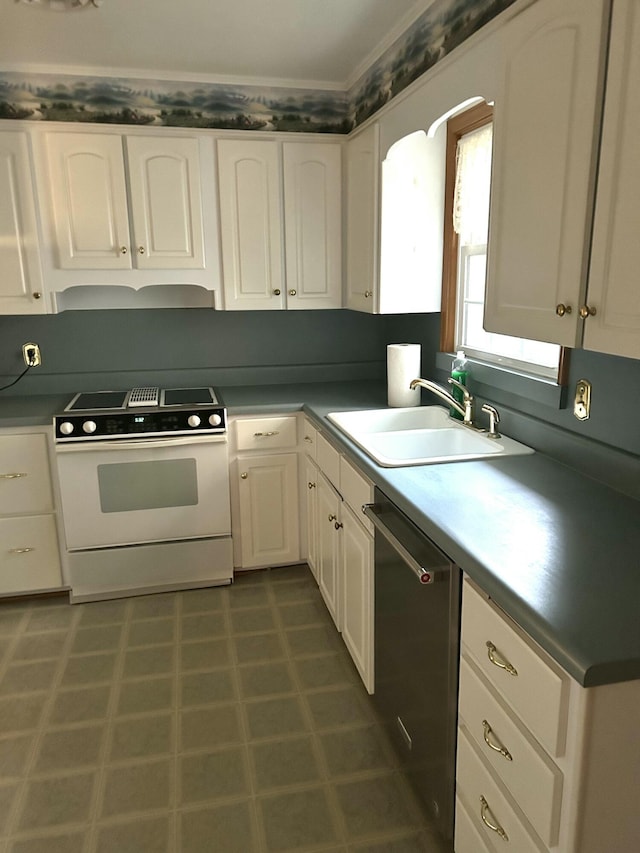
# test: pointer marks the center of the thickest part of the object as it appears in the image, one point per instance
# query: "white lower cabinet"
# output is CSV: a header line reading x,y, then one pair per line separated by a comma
x,y
311,513
340,546
329,547
264,487
357,594
29,551
544,765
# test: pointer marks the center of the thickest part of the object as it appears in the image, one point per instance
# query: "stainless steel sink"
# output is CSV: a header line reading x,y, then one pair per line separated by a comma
x,y
423,435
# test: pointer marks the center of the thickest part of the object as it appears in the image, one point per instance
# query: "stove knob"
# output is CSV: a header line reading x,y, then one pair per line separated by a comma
x,y
66,428
193,421
89,426
215,420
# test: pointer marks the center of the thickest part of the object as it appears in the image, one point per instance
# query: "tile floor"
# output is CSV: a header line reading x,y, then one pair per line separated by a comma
x,y
225,720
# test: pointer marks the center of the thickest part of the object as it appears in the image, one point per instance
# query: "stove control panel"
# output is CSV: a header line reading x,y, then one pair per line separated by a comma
x,y
140,423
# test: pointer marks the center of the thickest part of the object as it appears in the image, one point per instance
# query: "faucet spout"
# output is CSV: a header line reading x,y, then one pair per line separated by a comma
x,y
465,408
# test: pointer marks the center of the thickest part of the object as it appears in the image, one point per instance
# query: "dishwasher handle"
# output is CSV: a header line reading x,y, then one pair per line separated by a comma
x,y
425,576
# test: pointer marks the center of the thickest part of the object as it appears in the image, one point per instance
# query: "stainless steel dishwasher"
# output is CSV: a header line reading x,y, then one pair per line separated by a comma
x,y
417,629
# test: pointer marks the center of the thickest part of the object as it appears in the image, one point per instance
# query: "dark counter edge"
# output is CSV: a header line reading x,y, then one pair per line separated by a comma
x,y
316,401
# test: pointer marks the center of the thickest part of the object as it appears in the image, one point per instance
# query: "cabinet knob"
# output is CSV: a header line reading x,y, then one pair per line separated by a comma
x,y
562,309
292,292
277,291
123,250
244,475
311,485
367,294
586,311
37,295
338,525
141,250
332,517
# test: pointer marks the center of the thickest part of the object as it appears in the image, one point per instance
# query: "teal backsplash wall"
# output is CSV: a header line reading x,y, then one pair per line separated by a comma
x,y
122,348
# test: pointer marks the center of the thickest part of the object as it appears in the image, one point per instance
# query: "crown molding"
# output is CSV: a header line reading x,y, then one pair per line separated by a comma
x,y
172,77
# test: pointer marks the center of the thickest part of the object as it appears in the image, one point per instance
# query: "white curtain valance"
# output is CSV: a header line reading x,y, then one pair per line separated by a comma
x,y
473,186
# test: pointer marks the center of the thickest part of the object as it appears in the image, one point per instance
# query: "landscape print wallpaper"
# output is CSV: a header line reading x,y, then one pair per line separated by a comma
x,y
115,100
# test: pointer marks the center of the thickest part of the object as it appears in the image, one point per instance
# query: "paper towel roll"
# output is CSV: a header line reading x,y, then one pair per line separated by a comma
x,y
403,365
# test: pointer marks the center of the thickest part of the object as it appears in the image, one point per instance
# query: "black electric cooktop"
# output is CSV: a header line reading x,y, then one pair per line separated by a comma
x,y
166,397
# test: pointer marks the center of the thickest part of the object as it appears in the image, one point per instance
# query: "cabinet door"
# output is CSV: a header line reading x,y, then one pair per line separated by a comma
x,y
313,224
25,483
89,200
613,288
357,595
269,519
363,169
328,552
546,115
311,497
166,207
251,224
29,557
20,273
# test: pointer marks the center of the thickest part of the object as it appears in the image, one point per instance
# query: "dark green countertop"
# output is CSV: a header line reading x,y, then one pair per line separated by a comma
x,y
558,552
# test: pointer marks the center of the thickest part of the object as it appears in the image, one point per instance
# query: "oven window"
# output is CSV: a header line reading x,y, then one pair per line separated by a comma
x,y
126,486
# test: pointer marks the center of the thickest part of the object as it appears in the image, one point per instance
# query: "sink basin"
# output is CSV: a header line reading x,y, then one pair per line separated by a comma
x,y
422,435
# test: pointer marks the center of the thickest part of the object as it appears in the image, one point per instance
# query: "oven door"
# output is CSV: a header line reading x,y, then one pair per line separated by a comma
x,y
144,490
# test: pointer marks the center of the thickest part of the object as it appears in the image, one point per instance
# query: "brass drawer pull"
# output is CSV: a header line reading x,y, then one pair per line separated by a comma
x,y
265,434
484,811
13,476
498,660
21,550
497,746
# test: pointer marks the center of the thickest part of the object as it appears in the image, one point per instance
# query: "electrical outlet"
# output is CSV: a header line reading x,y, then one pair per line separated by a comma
x,y
31,355
582,400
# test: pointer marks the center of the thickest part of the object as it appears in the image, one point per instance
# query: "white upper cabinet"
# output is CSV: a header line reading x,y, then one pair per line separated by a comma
x,y
20,273
313,224
280,224
395,213
98,226
166,208
411,226
251,224
613,290
362,232
546,120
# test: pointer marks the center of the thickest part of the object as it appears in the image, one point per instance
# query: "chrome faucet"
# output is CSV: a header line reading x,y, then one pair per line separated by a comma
x,y
465,408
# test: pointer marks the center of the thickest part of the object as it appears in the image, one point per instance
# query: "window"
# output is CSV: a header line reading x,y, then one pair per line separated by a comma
x,y
468,183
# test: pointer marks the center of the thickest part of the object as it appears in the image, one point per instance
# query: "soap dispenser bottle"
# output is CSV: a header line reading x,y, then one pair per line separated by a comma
x,y
460,373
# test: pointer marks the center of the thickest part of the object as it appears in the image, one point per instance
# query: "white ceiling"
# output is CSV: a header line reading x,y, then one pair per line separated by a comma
x,y
306,41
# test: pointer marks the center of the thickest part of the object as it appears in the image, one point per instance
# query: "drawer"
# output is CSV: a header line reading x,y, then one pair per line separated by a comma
x,y
539,692
356,491
467,837
529,774
29,557
25,483
488,807
266,434
328,460
310,439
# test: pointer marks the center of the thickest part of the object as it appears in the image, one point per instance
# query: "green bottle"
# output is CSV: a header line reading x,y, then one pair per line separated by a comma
x,y
460,373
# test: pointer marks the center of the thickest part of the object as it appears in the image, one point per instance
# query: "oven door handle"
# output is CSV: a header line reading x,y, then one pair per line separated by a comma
x,y
139,444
